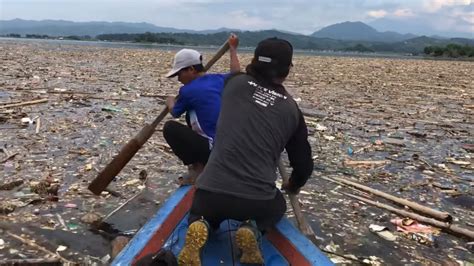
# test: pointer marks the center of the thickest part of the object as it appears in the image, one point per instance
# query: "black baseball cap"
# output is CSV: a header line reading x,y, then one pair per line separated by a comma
x,y
274,51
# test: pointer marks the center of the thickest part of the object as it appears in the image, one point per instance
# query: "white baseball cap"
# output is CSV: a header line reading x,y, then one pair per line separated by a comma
x,y
184,58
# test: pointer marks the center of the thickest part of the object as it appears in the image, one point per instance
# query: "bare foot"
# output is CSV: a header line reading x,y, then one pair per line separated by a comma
x,y
186,180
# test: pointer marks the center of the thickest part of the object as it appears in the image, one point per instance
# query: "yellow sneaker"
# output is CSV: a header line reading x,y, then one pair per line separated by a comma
x,y
196,238
248,241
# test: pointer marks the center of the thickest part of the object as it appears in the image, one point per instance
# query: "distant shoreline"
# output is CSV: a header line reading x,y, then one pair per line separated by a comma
x,y
171,47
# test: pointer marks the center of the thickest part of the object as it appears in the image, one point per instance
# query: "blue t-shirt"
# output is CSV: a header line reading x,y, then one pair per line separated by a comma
x,y
201,100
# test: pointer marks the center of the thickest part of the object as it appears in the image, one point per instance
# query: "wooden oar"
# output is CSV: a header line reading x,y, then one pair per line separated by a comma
x,y
106,176
303,224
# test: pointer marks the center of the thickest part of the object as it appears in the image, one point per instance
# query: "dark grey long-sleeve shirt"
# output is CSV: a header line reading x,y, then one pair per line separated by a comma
x,y
255,125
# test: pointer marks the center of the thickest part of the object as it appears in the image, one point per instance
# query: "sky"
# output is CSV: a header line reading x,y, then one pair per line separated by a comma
x,y
452,17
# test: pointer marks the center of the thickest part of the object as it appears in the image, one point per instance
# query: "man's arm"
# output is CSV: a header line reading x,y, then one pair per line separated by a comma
x,y
234,60
299,154
170,102
177,105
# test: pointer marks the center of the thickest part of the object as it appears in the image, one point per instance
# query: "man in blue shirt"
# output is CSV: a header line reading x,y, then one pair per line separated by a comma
x,y
200,99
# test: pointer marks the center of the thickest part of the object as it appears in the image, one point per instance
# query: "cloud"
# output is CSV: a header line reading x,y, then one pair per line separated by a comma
x,y
435,5
455,16
466,15
403,12
246,20
303,16
377,13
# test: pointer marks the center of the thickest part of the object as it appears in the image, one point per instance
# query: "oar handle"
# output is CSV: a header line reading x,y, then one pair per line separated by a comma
x,y
222,50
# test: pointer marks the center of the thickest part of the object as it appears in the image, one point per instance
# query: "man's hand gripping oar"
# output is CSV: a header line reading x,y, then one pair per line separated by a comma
x,y
303,224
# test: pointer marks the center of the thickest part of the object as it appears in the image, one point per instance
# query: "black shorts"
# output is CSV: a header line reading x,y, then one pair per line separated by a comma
x,y
189,146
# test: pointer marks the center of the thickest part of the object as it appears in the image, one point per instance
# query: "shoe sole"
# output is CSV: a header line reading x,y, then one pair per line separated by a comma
x,y
196,238
248,244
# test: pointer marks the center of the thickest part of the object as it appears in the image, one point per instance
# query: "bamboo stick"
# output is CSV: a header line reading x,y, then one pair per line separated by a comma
x,y
122,205
364,163
33,244
9,157
38,125
30,262
24,103
443,216
445,226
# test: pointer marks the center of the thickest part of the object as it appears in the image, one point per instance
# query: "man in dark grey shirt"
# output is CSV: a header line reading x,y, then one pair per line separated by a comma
x,y
258,120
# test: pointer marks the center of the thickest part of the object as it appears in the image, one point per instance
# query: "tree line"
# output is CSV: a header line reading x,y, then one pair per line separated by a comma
x,y
146,37
44,36
416,46
450,50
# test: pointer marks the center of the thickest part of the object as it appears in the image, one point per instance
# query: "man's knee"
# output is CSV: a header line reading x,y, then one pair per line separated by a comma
x,y
169,128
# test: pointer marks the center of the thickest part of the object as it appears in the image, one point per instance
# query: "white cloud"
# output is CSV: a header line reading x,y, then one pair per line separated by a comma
x,y
245,20
435,5
403,12
467,16
454,16
377,13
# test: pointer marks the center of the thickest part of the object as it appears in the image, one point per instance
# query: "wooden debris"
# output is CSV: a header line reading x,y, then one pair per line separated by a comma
x,y
37,246
10,185
392,141
9,155
364,163
23,103
122,205
118,244
445,226
313,112
444,216
42,262
356,102
38,125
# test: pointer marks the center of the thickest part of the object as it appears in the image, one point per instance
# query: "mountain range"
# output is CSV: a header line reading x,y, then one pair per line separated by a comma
x,y
341,31
67,28
416,26
359,31
341,36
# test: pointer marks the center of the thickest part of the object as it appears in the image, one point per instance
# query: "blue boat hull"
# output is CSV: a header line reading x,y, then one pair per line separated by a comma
x,y
283,245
